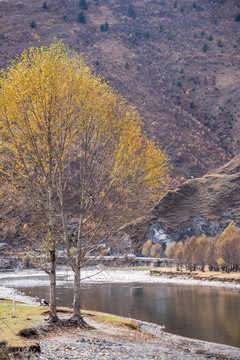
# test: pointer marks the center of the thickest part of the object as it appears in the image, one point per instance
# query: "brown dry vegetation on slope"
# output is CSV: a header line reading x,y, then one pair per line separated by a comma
x,y
188,98
203,205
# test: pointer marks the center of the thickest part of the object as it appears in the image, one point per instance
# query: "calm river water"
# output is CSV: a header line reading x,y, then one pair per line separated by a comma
x,y
206,313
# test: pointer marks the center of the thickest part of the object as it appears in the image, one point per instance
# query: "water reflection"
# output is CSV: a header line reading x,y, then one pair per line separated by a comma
x,y
211,314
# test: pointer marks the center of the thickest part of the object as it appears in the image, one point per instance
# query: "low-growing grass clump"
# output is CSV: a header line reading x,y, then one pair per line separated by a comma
x,y
25,316
103,317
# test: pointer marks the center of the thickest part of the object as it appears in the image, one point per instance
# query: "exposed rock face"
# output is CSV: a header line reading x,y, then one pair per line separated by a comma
x,y
201,205
157,234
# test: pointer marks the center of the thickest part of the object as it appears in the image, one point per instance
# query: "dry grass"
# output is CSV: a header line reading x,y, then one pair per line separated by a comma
x,y
109,318
25,317
199,275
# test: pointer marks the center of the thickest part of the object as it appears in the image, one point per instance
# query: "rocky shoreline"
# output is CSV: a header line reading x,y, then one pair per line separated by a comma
x,y
116,342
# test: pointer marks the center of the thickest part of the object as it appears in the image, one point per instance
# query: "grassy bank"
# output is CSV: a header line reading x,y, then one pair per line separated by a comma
x,y
28,316
109,318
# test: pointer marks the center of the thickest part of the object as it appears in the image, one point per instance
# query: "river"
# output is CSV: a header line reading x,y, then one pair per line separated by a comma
x,y
209,313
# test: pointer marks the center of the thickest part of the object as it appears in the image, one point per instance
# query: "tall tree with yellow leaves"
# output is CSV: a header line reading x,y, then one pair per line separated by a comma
x,y
38,93
116,177
76,146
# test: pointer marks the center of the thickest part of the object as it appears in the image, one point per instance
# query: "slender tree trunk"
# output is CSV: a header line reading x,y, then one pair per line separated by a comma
x,y
75,265
53,303
52,255
77,272
77,294
52,242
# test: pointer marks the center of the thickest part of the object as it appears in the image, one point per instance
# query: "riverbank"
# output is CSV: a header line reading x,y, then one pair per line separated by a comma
x,y
114,341
208,276
149,341
117,338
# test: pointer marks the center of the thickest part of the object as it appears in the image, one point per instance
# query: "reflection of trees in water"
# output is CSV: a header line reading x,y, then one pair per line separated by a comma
x,y
106,297
211,314
206,312
228,304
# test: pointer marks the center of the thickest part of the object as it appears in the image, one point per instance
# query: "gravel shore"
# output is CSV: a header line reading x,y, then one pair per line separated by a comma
x,y
118,342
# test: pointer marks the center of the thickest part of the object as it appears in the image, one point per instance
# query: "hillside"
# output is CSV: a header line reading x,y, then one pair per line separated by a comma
x,y
176,61
199,206
203,205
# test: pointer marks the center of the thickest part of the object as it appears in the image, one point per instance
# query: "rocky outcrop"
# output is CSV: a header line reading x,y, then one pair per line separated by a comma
x,y
201,205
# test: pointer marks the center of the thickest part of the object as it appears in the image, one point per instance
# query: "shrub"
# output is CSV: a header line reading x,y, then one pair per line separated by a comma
x,y
192,105
169,35
219,43
26,261
83,4
201,251
146,248
210,38
81,18
33,24
205,47
131,12
4,354
221,262
160,27
171,250
104,27
156,250
189,249
182,9
237,18
45,5
199,8
230,231
126,65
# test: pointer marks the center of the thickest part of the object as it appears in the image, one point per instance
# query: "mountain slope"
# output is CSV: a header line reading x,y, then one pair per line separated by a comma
x,y
202,205
176,61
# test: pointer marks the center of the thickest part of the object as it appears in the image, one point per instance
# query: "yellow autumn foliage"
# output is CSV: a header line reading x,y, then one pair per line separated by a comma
x,y
55,112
